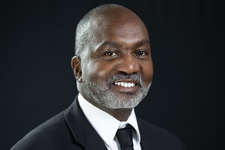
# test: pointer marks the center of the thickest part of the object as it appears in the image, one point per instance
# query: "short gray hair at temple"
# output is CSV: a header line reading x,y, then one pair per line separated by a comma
x,y
85,30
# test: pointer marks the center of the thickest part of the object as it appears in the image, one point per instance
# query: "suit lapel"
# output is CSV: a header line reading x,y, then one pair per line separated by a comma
x,y
145,143
81,129
145,139
96,143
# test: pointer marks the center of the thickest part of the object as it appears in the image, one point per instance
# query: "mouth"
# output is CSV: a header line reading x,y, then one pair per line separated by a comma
x,y
128,86
125,84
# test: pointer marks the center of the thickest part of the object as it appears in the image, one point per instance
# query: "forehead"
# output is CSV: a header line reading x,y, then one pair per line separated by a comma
x,y
122,26
125,32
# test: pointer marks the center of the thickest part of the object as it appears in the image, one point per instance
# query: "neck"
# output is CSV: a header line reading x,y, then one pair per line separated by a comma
x,y
119,114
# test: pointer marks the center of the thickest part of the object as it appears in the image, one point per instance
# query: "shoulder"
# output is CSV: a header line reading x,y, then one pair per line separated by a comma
x,y
153,130
52,134
159,137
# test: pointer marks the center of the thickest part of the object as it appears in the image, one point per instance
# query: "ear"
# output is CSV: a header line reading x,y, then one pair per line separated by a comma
x,y
76,66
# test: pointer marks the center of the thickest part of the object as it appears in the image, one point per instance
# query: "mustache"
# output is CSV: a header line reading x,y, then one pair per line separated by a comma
x,y
120,76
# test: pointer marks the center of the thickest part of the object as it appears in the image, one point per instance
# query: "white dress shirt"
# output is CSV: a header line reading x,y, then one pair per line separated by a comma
x,y
107,126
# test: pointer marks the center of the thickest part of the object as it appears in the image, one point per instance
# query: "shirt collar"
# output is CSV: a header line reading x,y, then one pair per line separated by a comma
x,y
105,124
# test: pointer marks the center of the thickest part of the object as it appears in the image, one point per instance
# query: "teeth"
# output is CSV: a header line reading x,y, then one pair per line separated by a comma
x,y
125,84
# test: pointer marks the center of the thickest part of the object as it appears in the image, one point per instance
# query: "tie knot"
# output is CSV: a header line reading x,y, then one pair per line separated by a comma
x,y
124,137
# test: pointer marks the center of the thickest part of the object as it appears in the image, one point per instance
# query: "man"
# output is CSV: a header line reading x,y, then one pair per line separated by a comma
x,y
113,68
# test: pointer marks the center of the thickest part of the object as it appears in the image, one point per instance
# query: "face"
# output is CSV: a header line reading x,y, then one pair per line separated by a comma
x,y
117,74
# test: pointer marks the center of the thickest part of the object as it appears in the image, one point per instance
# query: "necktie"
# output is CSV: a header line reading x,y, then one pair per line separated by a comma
x,y
124,137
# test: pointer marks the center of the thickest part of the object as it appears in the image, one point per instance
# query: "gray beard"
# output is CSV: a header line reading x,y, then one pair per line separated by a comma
x,y
105,96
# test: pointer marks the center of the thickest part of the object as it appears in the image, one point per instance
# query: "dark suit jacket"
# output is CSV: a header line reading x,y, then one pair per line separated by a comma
x,y
70,130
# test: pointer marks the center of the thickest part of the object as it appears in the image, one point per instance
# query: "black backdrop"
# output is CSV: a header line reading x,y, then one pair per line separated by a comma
x,y
187,39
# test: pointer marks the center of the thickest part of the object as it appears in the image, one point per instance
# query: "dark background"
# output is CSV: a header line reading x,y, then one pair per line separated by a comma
x,y
187,39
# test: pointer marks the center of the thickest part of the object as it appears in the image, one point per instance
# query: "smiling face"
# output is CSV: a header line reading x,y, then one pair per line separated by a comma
x,y
117,72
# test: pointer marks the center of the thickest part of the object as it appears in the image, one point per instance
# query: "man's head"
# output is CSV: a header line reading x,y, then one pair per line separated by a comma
x,y
113,64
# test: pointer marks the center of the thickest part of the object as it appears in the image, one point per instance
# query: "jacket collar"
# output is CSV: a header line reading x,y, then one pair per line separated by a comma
x,y
81,129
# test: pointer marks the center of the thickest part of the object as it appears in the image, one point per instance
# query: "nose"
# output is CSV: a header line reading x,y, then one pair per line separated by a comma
x,y
128,64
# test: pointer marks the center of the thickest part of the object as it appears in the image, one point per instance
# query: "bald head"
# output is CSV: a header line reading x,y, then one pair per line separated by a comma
x,y
92,27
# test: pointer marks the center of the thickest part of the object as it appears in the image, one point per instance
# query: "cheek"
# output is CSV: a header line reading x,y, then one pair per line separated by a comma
x,y
98,72
148,72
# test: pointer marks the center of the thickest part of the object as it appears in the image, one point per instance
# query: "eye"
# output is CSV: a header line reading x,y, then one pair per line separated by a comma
x,y
110,53
141,53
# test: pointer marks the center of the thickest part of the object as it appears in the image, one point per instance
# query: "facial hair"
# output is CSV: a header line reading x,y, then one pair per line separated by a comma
x,y
104,95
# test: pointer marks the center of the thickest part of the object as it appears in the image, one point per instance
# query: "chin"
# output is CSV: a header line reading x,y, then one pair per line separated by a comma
x,y
117,100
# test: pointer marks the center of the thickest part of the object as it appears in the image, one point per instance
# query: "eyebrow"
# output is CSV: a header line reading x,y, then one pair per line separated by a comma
x,y
110,43
143,42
